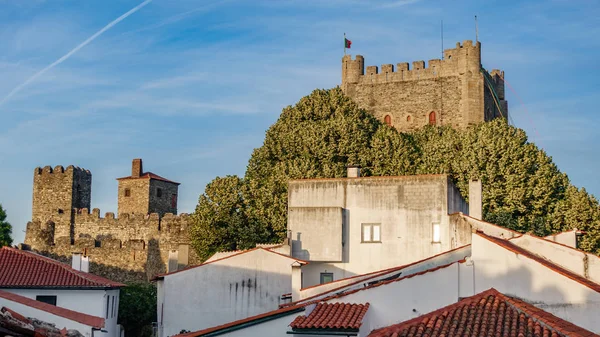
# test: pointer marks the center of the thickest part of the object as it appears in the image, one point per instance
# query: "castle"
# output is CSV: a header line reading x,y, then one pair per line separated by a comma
x,y
455,91
147,238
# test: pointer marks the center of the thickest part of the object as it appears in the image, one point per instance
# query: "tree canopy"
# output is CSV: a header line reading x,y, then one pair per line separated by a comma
x,y
5,229
326,131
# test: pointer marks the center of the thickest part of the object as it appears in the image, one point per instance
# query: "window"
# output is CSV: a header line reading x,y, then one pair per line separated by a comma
x,y
371,232
127,192
408,119
388,120
159,192
326,278
46,299
432,118
60,211
436,233
174,201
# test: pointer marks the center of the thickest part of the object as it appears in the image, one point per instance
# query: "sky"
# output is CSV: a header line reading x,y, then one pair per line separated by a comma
x,y
192,86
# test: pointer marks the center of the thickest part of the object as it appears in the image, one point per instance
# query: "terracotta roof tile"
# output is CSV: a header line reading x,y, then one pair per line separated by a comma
x,y
487,314
149,175
338,316
93,321
22,269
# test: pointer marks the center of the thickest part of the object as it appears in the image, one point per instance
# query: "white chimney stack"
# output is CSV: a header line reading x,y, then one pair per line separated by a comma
x,y
475,200
76,261
85,264
353,171
296,280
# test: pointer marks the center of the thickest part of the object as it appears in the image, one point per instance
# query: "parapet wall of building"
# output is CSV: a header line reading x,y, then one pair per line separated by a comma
x,y
131,247
442,92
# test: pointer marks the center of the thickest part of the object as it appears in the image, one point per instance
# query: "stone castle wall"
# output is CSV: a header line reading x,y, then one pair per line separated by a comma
x,y
454,89
163,203
128,248
137,201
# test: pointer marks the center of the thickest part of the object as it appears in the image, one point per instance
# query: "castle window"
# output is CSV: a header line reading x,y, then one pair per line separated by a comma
x,y
408,119
127,192
432,118
60,211
174,200
388,120
159,192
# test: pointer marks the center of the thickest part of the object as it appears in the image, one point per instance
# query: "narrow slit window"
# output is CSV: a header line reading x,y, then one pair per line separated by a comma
x,y
127,192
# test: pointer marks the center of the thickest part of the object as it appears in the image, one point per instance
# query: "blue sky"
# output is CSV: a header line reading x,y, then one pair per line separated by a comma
x,y
192,86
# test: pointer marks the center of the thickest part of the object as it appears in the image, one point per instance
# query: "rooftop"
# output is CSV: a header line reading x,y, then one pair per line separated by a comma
x,y
489,313
23,269
93,321
149,175
332,316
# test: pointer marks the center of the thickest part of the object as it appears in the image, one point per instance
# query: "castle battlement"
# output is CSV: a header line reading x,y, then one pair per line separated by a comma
x,y
451,91
463,58
60,169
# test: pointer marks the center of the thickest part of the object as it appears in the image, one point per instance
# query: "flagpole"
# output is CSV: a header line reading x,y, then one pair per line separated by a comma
x,y
344,44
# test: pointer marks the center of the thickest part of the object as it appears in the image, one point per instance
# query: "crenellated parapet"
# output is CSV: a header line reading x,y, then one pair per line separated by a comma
x,y
464,58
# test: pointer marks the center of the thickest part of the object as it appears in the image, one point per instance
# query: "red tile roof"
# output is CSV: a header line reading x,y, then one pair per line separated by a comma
x,y
162,276
149,175
548,264
336,316
23,269
93,321
486,314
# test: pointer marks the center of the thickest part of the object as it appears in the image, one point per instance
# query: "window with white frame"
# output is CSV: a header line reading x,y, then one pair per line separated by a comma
x,y
436,233
371,232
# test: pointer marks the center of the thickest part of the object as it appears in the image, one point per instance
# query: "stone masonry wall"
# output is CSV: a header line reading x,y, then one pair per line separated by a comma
x,y
164,203
453,89
129,248
138,199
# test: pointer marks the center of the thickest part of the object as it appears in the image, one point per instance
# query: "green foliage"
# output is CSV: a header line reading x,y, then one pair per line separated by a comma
x,y
137,309
220,221
5,229
325,131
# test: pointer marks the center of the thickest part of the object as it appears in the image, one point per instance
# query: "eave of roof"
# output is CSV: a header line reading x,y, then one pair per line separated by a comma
x,y
149,175
162,276
93,321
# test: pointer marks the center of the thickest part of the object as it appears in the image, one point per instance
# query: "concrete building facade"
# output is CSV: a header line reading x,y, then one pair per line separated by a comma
x,y
352,226
456,91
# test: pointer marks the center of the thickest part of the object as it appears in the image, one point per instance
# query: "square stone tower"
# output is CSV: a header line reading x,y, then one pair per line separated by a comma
x,y
57,193
455,91
146,192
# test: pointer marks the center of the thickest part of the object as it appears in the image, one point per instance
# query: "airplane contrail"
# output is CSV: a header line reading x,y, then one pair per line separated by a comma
x,y
73,51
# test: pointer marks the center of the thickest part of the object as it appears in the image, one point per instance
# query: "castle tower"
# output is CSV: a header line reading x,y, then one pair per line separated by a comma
x,y
455,91
57,193
146,192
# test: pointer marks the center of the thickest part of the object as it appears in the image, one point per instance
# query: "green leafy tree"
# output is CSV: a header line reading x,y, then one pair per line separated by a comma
x,y
5,229
137,309
220,221
318,137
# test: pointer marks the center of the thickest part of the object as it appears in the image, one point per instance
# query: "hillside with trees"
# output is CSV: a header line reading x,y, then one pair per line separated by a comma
x,y
325,131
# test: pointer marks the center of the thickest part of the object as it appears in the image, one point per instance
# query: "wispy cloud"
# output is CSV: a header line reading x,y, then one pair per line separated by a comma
x,y
73,51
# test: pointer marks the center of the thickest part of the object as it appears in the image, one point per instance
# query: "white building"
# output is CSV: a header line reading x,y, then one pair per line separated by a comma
x,y
62,289
507,284
356,225
233,286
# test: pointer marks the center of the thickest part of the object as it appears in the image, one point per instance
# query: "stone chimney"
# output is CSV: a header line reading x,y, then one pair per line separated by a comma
x,y
353,171
296,280
136,168
475,199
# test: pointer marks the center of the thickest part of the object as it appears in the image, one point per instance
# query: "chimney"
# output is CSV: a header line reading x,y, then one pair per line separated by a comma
x,y
172,262
136,168
296,280
76,261
85,264
353,171
475,199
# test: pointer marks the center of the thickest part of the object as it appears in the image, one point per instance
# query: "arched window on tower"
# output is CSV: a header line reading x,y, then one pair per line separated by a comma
x,y
388,120
432,118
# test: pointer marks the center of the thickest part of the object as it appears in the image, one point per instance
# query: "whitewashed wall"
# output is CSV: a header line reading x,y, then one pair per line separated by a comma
x,y
406,207
517,275
223,291
91,302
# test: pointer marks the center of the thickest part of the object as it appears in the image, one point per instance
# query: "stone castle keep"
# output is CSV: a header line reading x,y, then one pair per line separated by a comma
x,y
146,238
455,91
